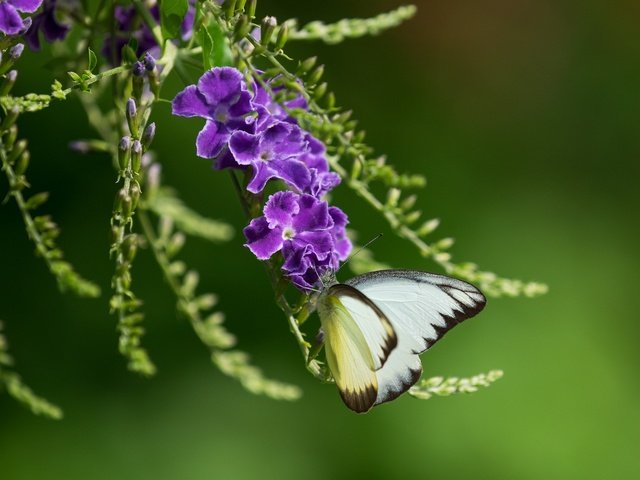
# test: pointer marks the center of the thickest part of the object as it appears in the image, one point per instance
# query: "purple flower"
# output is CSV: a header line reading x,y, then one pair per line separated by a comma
x,y
273,153
48,23
310,234
11,22
270,111
220,97
129,25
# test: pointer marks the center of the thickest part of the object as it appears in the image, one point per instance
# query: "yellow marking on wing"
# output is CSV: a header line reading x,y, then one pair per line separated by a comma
x,y
348,356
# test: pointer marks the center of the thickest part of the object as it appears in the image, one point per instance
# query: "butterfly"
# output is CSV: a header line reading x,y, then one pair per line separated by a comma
x,y
375,325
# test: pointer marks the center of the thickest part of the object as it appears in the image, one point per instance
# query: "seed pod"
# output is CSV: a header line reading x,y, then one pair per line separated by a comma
x,y
135,195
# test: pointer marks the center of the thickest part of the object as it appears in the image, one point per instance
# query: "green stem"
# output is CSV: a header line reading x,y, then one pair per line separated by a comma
x,y
97,78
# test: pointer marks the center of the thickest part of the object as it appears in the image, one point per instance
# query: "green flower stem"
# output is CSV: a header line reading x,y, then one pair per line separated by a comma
x,y
351,27
66,277
276,280
233,363
97,78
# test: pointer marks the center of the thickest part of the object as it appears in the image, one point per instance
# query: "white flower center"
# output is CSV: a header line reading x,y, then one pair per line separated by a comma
x,y
288,233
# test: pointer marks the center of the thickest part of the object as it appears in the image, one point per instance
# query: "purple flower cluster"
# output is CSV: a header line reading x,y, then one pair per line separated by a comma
x,y
247,129
47,22
129,26
11,23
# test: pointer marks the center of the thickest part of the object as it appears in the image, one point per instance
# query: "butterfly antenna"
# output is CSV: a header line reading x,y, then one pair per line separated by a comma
x,y
359,250
319,277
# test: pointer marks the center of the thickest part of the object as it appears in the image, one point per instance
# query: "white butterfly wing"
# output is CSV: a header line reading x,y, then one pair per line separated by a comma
x,y
358,341
421,307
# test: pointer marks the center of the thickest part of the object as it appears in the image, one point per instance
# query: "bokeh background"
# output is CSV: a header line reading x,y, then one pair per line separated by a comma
x,y
525,117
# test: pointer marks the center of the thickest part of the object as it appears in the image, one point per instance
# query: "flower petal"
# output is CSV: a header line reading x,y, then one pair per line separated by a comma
x,y
283,140
262,173
318,242
28,6
190,103
323,182
10,21
221,85
293,172
313,215
211,140
245,147
52,29
261,240
280,208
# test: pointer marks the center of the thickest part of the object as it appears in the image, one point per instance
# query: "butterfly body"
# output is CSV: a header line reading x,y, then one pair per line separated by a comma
x,y
376,324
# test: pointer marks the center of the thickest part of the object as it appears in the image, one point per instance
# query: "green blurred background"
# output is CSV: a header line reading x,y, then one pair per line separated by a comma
x,y
523,114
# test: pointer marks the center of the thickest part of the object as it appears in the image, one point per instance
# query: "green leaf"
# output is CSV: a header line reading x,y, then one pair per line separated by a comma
x,y
172,13
215,47
93,60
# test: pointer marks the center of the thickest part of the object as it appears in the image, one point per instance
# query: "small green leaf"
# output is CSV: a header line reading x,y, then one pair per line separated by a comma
x,y
93,60
215,47
172,13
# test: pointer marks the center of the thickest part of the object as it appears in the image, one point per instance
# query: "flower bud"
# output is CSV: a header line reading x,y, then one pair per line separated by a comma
x,y
124,203
19,147
316,75
10,118
320,90
137,69
23,163
135,195
392,197
331,101
149,62
11,136
251,8
154,84
243,25
266,30
307,65
283,36
131,113
153,180
428,227
9,82
147,135
129,247
124,149
229,7
16,51
26,25
136,156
